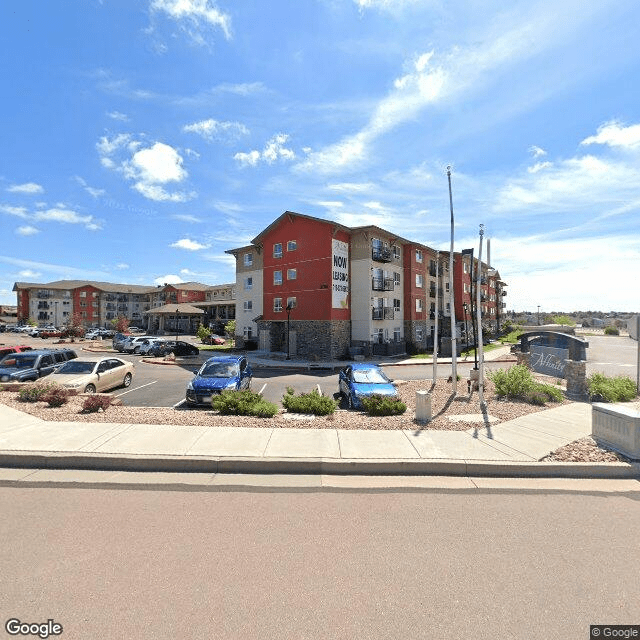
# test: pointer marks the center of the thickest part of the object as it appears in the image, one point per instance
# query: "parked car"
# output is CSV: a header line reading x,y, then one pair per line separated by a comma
x,y
94,374
31,365
136,330
50,333
133,343
4,351
118,340
152,347
213,339
362,380
216,375
94,334
179,348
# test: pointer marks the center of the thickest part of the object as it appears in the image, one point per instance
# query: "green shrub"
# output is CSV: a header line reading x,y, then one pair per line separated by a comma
x,y
518,383
95,403
34,392
308,403
378,405
203,332
611,331
56,396
618,389
243,403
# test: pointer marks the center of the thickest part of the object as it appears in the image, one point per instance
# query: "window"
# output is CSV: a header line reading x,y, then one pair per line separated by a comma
x,y
83,294
419,280
396,304
248,259
465,267
246,332
292,303
447,309
277,277
467,288
418,305
396,334
446,287
277,305
292,274
277,250
396,279
94,294
396,251
418,255
418,335
248,305
292,245
248,283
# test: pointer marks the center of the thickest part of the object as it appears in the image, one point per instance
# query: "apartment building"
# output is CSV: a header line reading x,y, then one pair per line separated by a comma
x,y
316,288
98,303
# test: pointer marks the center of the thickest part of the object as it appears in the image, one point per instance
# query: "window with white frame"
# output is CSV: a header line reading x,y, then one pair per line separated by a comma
x,y
277,250
248,283
446,287
466,287
248,259
248,305
418,255
418,305
292,245
418,334
292,303
447,309
396,334
247,333
419,280
277,277
396,251
277,305
396,304
292,274
83,294
396,279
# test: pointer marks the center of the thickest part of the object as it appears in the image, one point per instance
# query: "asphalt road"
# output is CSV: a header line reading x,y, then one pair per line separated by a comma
x,y
347,565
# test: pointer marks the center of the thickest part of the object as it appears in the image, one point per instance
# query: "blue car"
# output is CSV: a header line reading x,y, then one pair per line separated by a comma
x,y
216,375
362,380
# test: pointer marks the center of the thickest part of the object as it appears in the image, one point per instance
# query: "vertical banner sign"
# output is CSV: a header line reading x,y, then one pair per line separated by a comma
x,y
339,274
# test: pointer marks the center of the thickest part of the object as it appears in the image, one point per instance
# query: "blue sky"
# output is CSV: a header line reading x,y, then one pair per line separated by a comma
x,y
141,139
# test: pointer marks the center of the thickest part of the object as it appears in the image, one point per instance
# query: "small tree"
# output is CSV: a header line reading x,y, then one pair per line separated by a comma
x,y
121,324
230,329
203,333
74,327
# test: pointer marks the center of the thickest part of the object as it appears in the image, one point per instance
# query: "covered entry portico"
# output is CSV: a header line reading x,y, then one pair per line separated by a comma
x,y
174,319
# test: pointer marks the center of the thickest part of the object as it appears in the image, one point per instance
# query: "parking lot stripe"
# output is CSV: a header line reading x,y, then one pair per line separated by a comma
x,y
130,390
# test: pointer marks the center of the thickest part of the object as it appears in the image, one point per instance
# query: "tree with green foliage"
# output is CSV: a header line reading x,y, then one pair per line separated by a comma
x,y
121,324
230,329
563,320
203,333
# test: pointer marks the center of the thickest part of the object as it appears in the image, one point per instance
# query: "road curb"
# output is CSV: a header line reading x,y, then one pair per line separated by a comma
x,y
317,466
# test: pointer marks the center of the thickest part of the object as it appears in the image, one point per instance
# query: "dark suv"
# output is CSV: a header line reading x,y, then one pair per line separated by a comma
x,y
32,365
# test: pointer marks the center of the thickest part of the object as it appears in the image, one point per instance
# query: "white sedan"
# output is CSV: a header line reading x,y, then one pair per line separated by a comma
x,y
89,375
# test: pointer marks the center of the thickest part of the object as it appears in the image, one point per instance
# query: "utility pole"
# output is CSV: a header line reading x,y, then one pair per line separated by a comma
x,y
435,328
483,404
454,350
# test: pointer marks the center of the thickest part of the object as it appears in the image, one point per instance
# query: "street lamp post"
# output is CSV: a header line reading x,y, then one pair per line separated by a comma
x,y
538,315
466,335
469,252
288,309
178,309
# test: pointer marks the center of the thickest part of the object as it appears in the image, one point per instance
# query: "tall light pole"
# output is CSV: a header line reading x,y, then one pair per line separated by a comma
x,y
538,315
483,404
177,309
454,354
435,328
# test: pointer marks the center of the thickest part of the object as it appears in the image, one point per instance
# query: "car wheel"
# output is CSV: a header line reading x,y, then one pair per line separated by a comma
x,y
136,350
90,388
127,380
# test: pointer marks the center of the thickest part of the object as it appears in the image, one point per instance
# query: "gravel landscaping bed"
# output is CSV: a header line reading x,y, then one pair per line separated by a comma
x,y
585,450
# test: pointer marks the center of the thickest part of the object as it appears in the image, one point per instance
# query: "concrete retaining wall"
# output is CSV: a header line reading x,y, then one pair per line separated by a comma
x,y
617,427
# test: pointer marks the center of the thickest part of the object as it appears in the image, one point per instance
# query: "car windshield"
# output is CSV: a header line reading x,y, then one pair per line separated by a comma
x,y
77,366
219,370
370,376
16,361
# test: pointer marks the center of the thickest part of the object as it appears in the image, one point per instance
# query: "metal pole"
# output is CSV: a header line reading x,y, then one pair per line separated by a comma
x,y
454,354
288,330
435,328
638,364
483,404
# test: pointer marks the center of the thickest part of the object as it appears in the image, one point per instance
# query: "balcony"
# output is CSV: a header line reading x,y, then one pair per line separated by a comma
x,y
382,284
382,313
432,292
43,305
381,254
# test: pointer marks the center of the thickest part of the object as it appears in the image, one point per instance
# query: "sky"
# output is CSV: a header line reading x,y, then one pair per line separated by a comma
x,y
141,139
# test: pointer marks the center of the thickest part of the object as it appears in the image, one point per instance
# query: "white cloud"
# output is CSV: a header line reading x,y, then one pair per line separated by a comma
x,y
67,216
92,191
29,273
168,279
536,151
273,150
122,266
196,13
215,130
187,218
189,245
615,134
539,166
116,115
27,187
20,212
27,230
157,164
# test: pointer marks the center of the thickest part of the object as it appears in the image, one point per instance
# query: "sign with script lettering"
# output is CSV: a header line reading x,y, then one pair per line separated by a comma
x,y
549,360
339,274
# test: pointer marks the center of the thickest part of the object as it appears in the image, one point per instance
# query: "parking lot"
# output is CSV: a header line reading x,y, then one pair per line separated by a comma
x,y
156,385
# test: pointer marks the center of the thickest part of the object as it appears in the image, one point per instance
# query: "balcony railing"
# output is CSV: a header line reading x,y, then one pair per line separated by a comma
x,y
381,254
382,284
382,313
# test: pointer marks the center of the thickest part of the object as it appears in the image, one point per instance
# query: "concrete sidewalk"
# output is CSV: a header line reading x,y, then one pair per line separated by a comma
x,y
509,449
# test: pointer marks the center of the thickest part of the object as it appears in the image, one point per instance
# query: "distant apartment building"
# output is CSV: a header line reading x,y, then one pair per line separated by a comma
x,y
99,303
318,289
